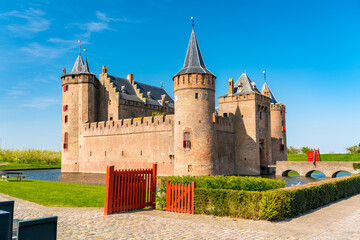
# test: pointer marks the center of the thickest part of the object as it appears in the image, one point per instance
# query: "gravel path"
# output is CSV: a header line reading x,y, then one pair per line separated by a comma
x,y
336,221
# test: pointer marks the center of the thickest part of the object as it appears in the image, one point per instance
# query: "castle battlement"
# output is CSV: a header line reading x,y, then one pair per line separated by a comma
x,y
224,124
194,81
130,125
277,106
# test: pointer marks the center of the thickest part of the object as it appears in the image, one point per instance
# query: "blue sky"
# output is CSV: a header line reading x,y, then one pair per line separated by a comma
x,y
310,50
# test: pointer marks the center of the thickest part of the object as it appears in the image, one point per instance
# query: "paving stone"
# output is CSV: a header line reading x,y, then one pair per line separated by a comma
x,y
335,221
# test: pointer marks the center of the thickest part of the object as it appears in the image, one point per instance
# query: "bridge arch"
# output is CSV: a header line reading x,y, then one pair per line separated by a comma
x,y
334,175
308,174
286,173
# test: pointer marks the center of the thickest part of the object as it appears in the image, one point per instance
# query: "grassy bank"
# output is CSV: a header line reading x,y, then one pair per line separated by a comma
x,y
336,157
29,159
55,193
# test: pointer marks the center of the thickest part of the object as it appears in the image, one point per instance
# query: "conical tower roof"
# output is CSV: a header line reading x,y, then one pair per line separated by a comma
x,y
194,62
79,65
271,95
86,67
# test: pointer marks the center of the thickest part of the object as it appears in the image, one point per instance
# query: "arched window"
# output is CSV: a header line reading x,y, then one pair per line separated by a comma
x,y
66,119
187,142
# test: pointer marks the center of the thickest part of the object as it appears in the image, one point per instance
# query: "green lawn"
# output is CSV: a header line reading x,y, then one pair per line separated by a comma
x,y
336,157
55,193
24,166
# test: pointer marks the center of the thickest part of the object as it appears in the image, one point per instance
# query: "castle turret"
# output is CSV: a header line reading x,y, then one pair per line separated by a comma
x,y
278,126
79,106
194,134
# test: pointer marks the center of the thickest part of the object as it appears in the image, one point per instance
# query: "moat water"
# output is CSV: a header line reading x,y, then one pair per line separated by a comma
x,y
99,179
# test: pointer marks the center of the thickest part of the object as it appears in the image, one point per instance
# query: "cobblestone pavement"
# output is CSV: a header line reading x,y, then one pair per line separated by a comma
x,y
339,220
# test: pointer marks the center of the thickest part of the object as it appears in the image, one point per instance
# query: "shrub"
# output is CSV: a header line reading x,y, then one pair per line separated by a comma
x,y
30,156
220,182
274,204
356,165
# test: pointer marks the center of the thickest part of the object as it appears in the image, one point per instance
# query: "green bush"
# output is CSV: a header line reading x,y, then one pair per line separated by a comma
x,y
356,165
220,182
30,156
336,157
274,204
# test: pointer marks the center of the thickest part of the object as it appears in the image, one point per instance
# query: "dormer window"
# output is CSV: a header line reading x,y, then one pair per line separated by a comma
x,y
123,89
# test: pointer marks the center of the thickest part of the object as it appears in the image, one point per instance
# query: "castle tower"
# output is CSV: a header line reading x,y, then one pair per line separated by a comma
x,y
278,126
194,134
79,106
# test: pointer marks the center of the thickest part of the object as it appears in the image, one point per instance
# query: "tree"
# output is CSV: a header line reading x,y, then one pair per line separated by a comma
x,y
304,150
292,150
353,149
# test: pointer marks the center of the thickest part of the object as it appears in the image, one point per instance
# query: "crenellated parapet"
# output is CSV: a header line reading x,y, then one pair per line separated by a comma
x,y
128,126
79,78
277,107
224,124
194,81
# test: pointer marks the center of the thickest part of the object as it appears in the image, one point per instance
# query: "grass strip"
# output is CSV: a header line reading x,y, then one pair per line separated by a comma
x,y
54,194
336,157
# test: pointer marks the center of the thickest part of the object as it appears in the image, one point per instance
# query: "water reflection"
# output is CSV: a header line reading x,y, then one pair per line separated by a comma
x,y
57,176
100,179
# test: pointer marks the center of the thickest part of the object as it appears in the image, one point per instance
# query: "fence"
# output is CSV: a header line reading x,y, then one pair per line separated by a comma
x,y
180,197
128,190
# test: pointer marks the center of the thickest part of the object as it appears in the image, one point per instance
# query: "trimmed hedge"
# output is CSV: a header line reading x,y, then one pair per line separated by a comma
x,y
274,204
219,182
356,165
227,182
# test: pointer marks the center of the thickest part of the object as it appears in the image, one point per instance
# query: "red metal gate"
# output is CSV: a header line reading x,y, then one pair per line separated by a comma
x,y
180,197
128,190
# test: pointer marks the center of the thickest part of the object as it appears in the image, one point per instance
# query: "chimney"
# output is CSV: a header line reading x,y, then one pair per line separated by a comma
x,y
231,86
267,92
104,69
130,77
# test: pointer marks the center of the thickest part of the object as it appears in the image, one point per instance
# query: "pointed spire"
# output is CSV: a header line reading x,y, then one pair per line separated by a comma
x,y
79,65
265,90
194,62
86,67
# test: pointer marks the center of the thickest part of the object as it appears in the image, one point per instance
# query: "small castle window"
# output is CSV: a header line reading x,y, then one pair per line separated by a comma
x,y
65,88
109,102
66,119
187,142
190,168
66,140
65,108
225,114
196,95
260,115
196,78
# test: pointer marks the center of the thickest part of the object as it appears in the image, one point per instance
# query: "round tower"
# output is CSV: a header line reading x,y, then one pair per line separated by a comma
x,y
278,132
78,106
278,126
194,134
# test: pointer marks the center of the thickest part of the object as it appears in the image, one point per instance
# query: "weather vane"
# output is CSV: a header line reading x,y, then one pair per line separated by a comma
x,y
193,22
79,41
85,50
264,72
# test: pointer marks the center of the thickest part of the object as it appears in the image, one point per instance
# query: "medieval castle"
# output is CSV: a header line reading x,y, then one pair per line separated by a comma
x,y
116,121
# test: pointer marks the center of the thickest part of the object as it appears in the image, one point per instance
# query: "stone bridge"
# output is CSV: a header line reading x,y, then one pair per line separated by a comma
x,y
330,169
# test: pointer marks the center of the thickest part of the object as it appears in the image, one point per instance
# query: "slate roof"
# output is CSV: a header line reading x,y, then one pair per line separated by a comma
x,y
272,97
194,62
80,66
152,94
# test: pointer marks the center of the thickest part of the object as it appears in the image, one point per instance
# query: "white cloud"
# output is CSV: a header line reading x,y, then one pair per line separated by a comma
x,y
37,50
34,22
102,17
94,26
41,102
